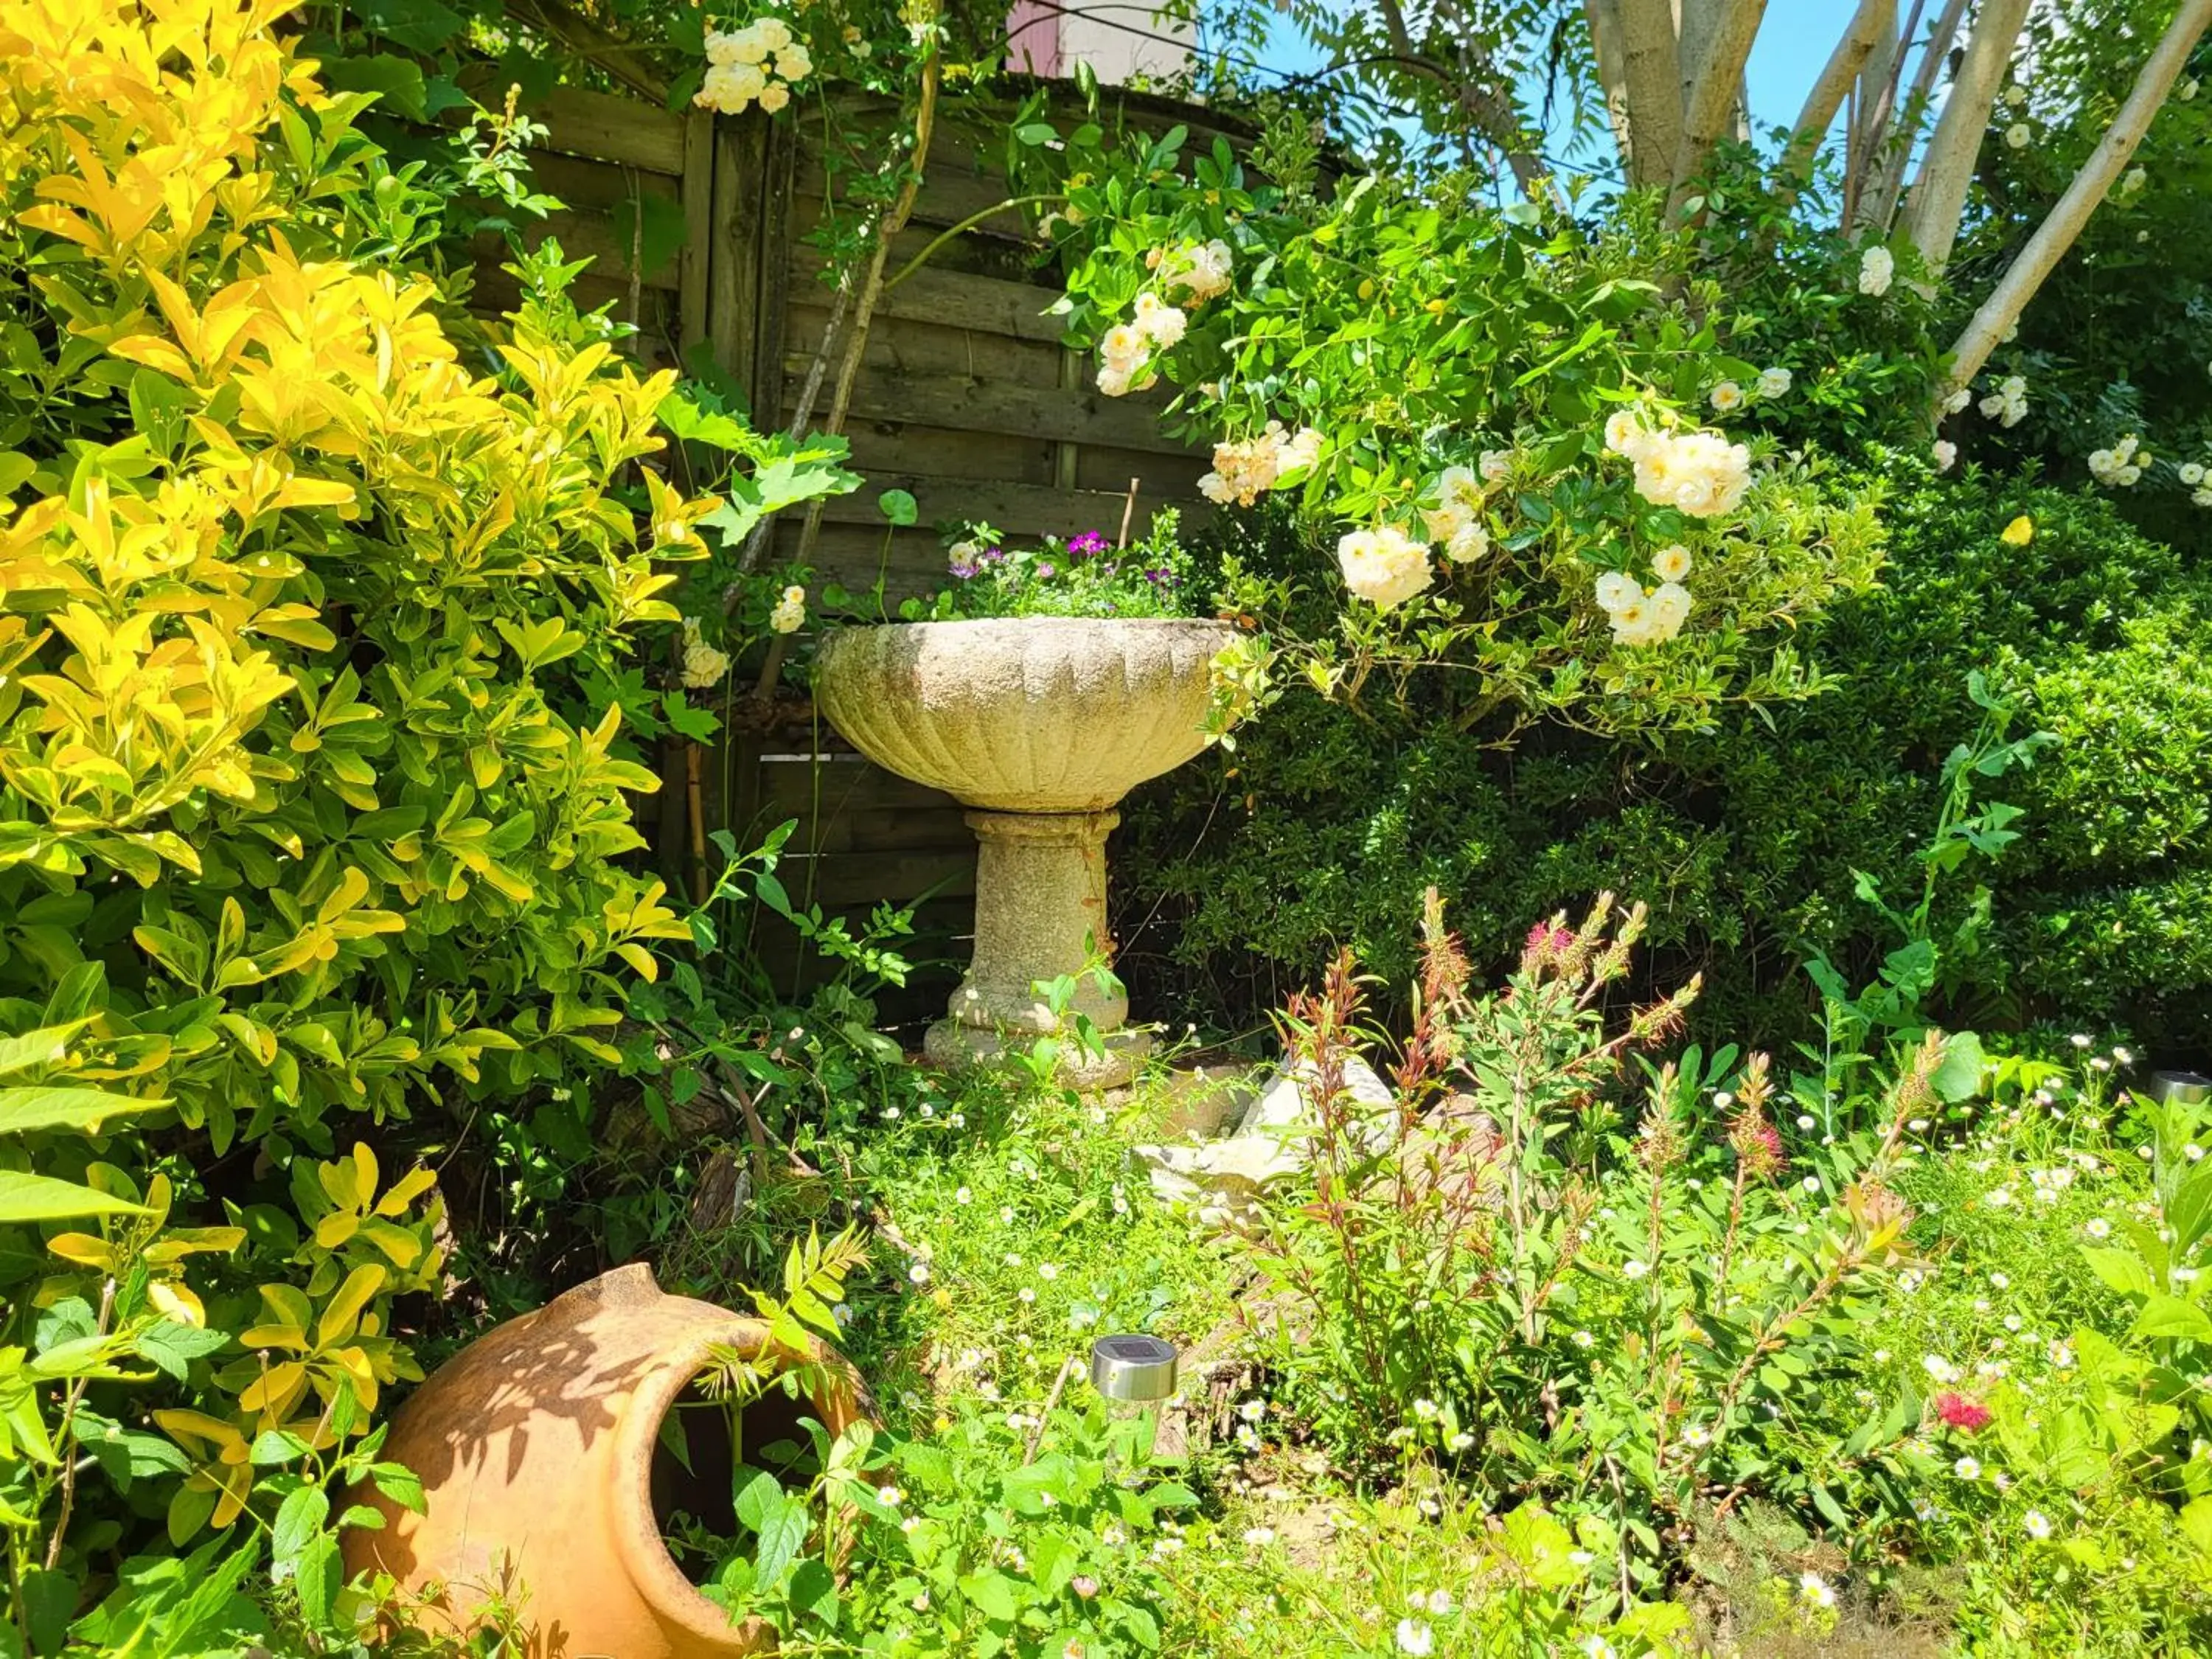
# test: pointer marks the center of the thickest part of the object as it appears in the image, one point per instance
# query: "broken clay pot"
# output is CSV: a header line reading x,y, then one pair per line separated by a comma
x,y
535,1446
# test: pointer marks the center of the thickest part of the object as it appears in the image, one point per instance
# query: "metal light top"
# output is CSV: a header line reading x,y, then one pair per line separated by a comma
x,y
2183,1088
1138,1368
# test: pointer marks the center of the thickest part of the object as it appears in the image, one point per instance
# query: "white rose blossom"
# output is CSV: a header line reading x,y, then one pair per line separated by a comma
x,y
790,613
758,63
1243,472
1699,473
1877,265
1383,566
1457,520
703,666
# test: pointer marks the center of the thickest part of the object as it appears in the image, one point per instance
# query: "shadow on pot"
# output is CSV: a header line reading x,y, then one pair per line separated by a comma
x,y
548,1480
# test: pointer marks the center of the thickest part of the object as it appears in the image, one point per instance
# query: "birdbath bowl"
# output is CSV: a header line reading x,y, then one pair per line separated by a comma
x,y
1038,725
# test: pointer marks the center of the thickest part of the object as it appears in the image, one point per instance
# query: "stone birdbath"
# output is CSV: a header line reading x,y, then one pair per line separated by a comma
x,y
1038,724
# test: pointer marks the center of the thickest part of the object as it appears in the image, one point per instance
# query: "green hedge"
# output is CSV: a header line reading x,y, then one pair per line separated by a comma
x,y
1239,875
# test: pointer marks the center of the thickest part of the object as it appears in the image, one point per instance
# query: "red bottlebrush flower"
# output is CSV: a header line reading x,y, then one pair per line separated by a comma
x,y
1546,945
1961,1412
1758,1143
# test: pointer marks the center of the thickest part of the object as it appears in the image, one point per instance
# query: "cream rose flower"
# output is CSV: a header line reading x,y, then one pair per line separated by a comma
x,y
1299,452
1159,322
1383,566
1626,433
1671,564
1670,609
1699,473
1617,588
1469,543
1877,265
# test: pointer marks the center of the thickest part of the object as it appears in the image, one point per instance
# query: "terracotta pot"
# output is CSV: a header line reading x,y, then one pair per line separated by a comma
x,y
536,1448
1040,724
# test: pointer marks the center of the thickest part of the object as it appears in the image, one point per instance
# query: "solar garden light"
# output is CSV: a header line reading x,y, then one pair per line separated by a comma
x,y
1136,1370
2181,1088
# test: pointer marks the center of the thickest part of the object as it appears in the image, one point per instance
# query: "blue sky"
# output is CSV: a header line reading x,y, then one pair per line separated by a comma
x,y
1793,43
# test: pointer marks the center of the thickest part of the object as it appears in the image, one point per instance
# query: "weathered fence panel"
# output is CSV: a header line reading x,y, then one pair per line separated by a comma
x,y
966,399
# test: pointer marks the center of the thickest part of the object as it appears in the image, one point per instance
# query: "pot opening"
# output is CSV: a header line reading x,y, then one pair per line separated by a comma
x,y
708,1447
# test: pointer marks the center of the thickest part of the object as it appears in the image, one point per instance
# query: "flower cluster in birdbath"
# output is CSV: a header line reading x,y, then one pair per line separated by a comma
x,y
1084,574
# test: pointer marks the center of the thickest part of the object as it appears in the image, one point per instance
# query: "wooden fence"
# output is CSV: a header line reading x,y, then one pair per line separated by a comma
x,y
966,399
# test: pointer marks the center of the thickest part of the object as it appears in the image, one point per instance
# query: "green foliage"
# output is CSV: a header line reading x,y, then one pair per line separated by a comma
x,y
35,1108
1080,575
1860,1029
2118,338
1516,386
913,1547
311,814
1493,1268
1324,826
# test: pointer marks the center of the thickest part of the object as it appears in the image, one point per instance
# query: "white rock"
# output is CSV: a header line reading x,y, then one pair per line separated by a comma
x,y
1270,1141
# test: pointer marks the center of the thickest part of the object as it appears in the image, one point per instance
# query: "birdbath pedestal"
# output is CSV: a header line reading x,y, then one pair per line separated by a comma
x,y
1039,725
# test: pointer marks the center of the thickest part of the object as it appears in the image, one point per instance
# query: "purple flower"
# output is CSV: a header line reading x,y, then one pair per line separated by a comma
x,y
1088,542
994,554
963,570
1045,572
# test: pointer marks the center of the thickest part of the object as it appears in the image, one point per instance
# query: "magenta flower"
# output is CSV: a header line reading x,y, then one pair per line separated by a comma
x,y
1961,1412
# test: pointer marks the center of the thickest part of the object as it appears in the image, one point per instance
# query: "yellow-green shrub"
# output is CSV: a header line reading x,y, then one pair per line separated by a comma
x,y
290,620
302,816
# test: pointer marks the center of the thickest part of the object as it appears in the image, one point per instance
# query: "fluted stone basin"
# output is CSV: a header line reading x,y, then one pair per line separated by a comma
x,y
1040,724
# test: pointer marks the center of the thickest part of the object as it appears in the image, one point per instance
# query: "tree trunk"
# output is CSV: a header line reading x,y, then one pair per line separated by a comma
x,y
1695,24
1712,106
2057,232
1878,206
1604,17
1654,99
1939,194
1826,97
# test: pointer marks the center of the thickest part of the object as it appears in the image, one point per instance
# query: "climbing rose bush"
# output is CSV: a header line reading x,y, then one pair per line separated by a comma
x,y
1443,395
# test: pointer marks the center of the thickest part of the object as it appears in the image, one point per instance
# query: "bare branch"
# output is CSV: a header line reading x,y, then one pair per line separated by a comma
x,y
1939,194
625,61
1489,112
1871,111
2058,231
1827,95
1878,206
